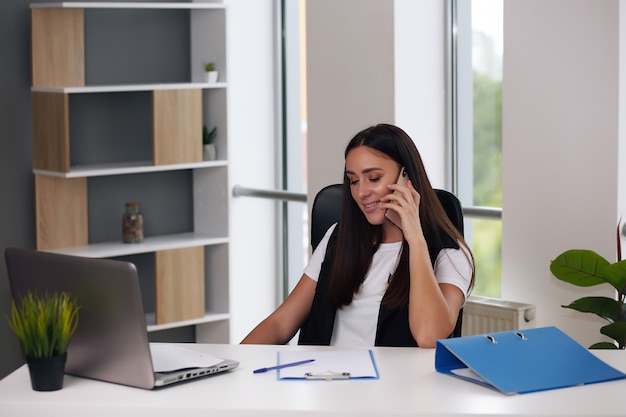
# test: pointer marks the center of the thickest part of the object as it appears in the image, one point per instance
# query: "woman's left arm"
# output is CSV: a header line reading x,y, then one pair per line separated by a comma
x,y
433,307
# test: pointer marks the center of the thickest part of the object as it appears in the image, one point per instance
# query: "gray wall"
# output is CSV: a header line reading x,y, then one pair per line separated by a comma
x,y
16,178
163,57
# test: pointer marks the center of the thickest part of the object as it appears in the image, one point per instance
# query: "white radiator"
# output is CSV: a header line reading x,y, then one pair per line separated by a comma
x,y
490,315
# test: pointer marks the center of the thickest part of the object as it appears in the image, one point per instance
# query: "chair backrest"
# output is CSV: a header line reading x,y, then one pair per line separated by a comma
x,y
324,212
327,205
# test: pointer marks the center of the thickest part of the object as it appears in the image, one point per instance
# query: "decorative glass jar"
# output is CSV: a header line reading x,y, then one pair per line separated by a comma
x,y
132,223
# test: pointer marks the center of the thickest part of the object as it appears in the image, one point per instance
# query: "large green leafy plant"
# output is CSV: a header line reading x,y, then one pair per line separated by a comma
x,y
586,268
44,324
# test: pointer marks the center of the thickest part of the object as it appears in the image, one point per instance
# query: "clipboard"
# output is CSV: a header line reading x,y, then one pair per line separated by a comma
x,y
328,365
522,361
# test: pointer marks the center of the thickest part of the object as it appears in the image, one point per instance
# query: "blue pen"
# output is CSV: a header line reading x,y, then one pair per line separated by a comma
x,y
284,365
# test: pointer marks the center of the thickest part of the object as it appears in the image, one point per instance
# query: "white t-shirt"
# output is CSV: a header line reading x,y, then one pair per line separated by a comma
x,y
355,325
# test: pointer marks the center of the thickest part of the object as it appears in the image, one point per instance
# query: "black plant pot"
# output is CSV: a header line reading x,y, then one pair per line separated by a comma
x,y
46,374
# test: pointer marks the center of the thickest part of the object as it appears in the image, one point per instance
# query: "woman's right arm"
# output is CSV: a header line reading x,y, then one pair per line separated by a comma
x,y
280,326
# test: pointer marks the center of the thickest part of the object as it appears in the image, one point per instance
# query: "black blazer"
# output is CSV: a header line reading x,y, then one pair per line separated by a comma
x,y
392,328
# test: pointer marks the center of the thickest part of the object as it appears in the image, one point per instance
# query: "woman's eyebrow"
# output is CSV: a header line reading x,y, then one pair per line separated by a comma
x,y
365,171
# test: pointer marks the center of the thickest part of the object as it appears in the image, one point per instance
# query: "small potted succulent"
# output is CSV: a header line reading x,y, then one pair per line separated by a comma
x,y
210,72
44,326
209,150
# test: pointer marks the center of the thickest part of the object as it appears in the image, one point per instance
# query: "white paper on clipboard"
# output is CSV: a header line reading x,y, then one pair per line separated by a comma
x,y
356,363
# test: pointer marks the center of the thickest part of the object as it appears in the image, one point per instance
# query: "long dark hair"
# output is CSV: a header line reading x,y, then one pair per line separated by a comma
x,y
358,240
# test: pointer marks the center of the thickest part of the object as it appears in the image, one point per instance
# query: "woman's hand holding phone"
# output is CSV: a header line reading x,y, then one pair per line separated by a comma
x,y
391,214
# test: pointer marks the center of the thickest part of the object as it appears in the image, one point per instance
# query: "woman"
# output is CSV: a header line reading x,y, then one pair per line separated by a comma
x,y
369,281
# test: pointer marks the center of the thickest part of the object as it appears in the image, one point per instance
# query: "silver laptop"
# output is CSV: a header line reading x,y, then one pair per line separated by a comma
x,y
111,341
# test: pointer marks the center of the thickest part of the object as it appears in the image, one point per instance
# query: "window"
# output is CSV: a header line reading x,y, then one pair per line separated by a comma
x,y
477,111
294,140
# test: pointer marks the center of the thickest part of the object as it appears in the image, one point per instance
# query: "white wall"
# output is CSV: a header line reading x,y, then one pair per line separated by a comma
x,y
419,80
252,135
370,62
560,149
350,80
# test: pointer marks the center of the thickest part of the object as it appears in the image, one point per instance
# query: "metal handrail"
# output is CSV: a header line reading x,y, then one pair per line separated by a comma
x,y
490,213
239,191
478,212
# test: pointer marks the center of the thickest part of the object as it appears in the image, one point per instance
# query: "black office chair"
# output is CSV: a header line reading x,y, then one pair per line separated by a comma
x,y
326,208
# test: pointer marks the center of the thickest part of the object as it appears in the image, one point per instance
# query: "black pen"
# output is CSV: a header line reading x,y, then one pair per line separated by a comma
x,y
284,365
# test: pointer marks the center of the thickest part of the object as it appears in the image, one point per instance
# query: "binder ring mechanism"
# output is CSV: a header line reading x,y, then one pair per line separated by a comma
x,y
494,341
328,375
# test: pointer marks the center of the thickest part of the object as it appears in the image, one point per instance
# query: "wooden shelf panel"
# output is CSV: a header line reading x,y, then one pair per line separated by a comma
x,y
176,114
60,212
121,88
126,168
58,44
130,5
51,132
179,284
149,245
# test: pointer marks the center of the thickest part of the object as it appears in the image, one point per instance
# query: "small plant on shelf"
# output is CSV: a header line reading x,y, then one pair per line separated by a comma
x,y
210,72
209,151
208,136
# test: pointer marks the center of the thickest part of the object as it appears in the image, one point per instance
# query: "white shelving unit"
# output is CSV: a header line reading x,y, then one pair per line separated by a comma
x,y
127,5
128,88
150,244
126,168
190,285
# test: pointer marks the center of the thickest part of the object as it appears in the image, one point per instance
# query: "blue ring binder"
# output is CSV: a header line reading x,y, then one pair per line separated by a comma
x,y
521,362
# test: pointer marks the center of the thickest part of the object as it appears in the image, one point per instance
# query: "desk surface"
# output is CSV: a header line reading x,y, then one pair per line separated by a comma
x,y
408,385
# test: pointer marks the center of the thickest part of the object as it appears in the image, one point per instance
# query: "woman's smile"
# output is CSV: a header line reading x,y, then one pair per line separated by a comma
x,y
370,207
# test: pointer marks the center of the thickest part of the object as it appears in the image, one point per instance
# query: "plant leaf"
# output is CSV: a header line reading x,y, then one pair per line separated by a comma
x,y
605,307
616,331
603,345
44,324
615,275
580,267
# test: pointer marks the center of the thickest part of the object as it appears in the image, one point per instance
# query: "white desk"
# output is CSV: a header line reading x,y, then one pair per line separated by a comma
x,y
408,385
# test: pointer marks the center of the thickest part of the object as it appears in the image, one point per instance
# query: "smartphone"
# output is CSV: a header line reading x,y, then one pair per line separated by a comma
x,y
391,214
